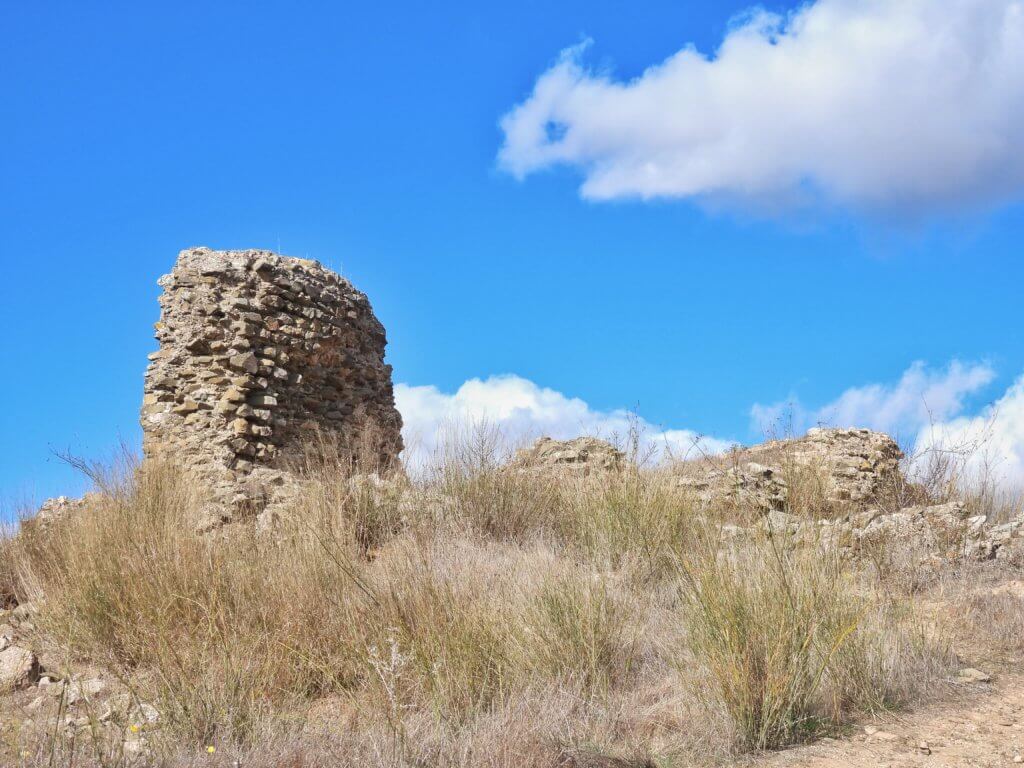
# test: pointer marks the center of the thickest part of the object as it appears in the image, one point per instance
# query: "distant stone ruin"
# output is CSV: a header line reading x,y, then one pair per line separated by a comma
x,y
582,456
859,466
259,355
855,467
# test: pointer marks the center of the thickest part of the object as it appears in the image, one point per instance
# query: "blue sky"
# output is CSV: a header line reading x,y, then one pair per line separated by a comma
x,y
812,218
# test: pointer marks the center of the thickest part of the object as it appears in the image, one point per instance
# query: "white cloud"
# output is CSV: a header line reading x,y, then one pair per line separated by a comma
x,y
894,104
922,396
924,407
991,444
523,411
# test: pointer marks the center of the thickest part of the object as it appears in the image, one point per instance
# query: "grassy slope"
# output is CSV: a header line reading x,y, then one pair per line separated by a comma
x,y
481,617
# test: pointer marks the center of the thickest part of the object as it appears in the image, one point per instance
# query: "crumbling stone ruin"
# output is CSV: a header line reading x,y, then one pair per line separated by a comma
x,y
260,354
582,456
854,467
54,510
858,475
918,536
856,472
858,465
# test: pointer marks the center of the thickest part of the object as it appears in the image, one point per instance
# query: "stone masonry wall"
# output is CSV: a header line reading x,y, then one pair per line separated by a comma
x,y
259,353
858,468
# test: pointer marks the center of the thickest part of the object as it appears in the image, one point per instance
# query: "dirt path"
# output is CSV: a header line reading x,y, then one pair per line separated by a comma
x,y
984,726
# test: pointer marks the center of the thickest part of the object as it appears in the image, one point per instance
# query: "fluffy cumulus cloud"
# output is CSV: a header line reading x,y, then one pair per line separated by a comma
x,y
988,447
914,105
921,397
523,411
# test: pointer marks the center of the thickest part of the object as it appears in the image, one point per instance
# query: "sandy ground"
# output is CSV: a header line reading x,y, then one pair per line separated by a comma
x,y
982,725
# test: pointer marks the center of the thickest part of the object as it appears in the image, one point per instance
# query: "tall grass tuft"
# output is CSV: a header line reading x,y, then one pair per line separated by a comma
x,y
790,643
580,630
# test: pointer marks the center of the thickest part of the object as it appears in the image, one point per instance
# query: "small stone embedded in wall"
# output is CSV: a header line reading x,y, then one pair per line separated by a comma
x,y
259,353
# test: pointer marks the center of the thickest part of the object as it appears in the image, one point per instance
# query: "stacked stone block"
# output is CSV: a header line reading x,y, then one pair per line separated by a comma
x,y
259,355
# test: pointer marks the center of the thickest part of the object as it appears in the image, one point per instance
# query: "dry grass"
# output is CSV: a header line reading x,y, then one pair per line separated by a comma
x,y
983,604
476,617
793,643
965,472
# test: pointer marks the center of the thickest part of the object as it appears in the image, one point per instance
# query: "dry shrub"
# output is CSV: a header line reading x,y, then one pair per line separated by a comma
x,y
997,614
490,499
9,582
966,471
577,629
364,511
227,629
351,493
439,633
500,504
807,491
792,646
627,516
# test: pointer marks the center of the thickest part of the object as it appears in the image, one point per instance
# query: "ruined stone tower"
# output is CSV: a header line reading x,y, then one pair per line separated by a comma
x,y
259,354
